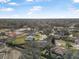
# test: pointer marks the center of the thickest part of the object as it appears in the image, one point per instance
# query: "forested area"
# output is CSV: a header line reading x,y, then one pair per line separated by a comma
x,y
39,39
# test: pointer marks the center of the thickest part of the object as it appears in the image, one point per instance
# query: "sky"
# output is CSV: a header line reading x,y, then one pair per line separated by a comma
x,y
39,8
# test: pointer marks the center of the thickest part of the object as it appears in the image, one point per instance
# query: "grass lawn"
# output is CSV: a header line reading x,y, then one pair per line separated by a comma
x,y
19,40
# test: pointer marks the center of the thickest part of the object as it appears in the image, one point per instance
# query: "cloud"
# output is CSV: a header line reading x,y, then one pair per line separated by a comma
x,y
34,9
13,4
4,1
10,16
41,0
37,0
76,1
30,0
6,9
9,2
74,10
